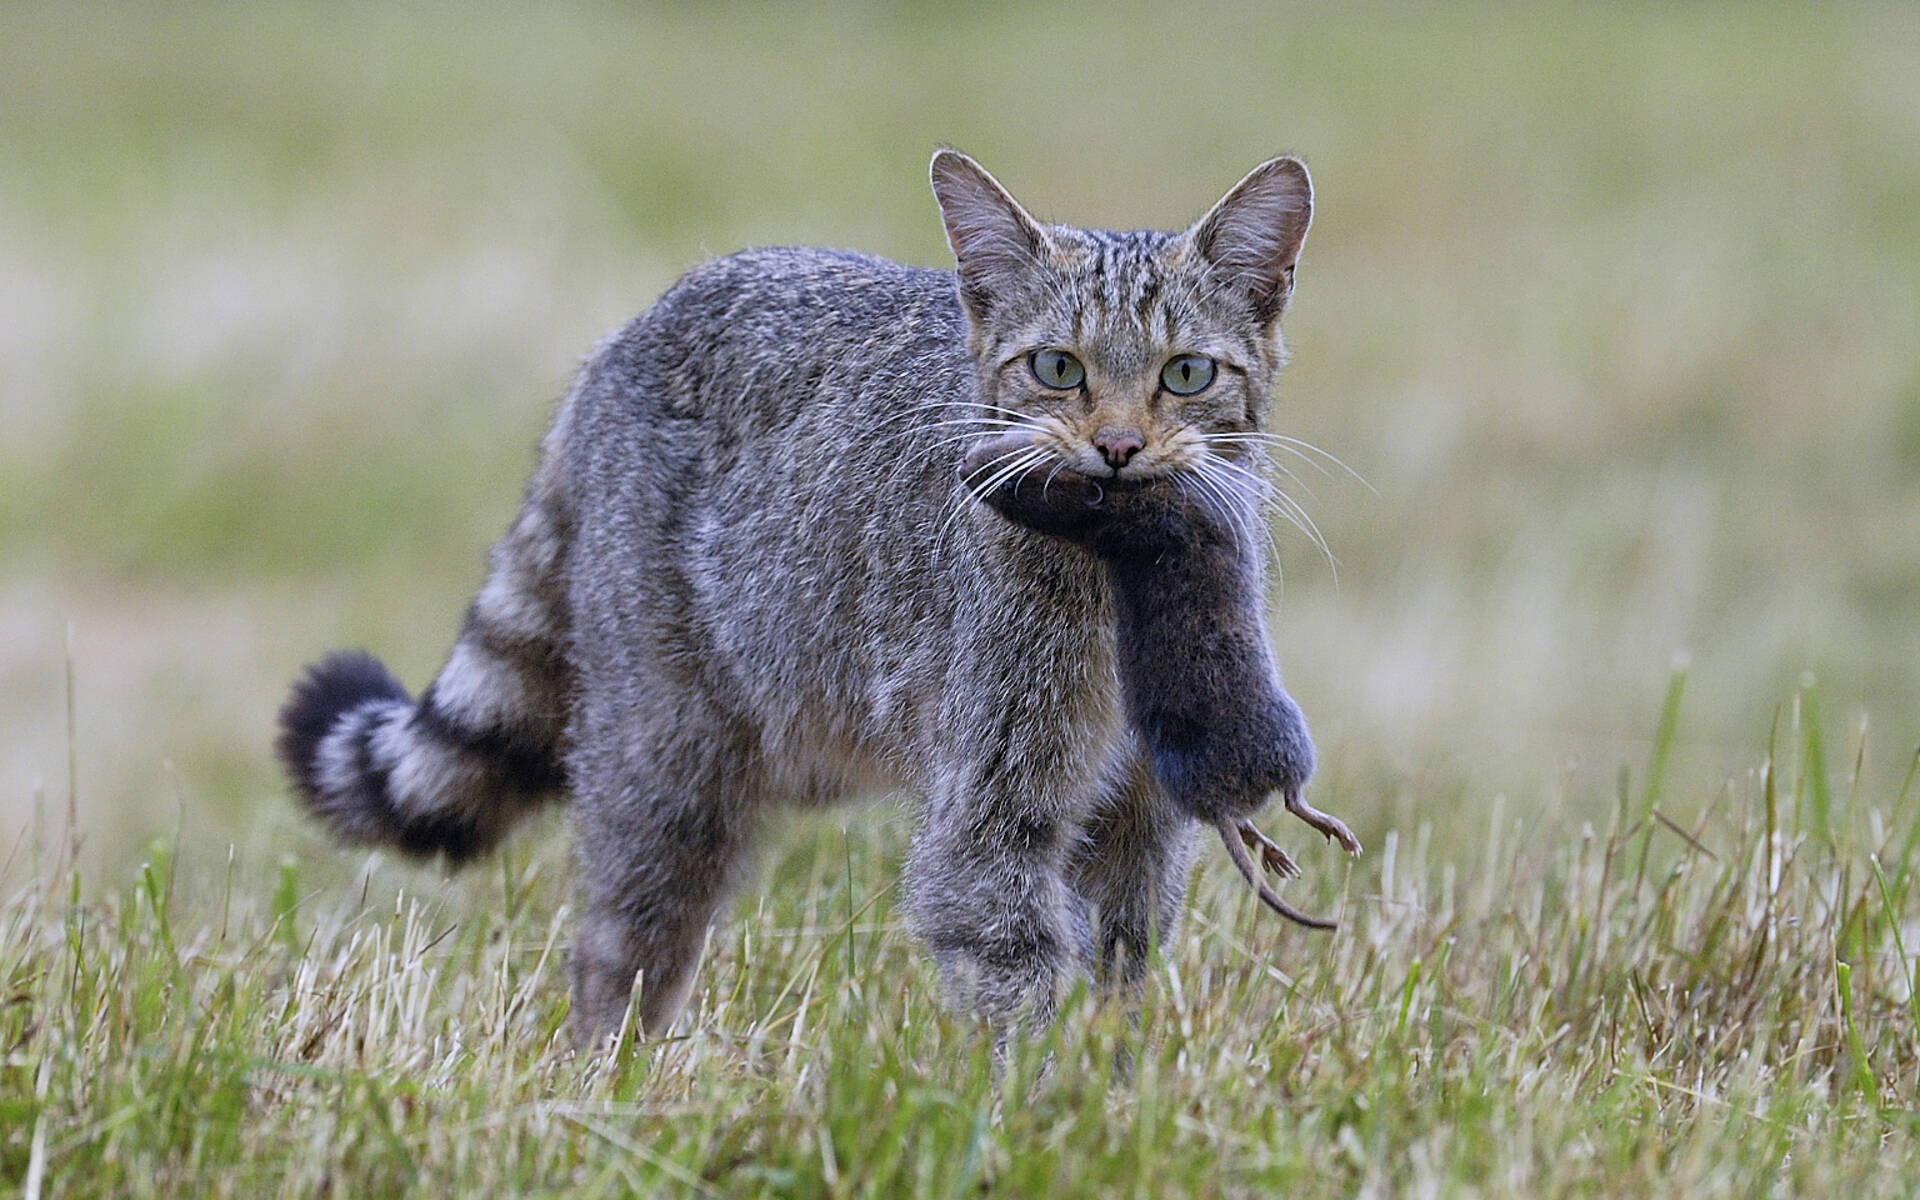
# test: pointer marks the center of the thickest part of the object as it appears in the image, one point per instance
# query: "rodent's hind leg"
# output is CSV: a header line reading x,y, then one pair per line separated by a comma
x,y
1333,827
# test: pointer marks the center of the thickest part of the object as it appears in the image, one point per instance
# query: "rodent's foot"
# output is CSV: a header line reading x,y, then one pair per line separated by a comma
x,y
1333,827
1272,857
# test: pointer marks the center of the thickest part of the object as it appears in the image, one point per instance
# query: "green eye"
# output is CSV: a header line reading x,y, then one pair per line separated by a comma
x,y
1188,374
1056,369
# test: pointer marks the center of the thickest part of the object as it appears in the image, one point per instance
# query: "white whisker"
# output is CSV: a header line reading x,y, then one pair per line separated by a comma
x,y
1267,441
1029,460
1048,481
1209,440
990,464
1295,447
1235,515
1243,519
921,456
1023,459
1286,505
977,424
959,438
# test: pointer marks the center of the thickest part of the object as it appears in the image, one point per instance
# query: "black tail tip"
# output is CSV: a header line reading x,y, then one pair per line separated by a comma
x,y
337,684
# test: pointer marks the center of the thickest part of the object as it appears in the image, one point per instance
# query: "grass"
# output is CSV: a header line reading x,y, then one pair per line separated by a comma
x,y
1723,1008
1613,306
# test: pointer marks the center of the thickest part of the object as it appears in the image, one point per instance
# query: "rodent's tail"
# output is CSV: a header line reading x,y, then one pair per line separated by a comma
x,y
485,743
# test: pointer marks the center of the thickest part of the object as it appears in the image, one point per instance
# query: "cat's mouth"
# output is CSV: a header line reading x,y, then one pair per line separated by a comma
x,y
1088,461
1145,464
1021,455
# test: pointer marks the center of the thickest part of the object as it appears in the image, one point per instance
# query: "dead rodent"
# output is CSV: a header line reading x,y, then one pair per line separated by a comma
x,y
1195,664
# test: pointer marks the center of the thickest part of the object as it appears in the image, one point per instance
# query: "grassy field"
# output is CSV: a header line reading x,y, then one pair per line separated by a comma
x,y
1614,309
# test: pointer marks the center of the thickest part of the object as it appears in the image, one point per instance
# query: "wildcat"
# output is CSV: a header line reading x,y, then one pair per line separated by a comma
x,y
745,576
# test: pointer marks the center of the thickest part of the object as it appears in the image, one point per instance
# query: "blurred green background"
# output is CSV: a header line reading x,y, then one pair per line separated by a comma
x,y
1616,308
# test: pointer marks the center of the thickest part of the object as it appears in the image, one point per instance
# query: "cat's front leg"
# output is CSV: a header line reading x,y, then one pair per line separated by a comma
x,y
1012,755
987,893
1004,798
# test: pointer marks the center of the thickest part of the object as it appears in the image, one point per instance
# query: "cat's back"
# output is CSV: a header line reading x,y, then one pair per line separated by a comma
x,y
774,395
749,341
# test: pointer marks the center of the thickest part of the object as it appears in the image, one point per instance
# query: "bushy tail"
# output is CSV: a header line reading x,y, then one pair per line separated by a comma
x,y
483,746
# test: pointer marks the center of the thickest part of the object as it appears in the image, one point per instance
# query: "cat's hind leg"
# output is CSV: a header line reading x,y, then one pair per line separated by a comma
x,y
664,822
1130,865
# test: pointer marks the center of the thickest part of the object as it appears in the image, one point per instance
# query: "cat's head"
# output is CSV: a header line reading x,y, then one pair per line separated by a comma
x,y
1134,354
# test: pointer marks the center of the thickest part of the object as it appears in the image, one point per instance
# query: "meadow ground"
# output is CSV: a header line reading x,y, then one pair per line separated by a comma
x,y
1613,308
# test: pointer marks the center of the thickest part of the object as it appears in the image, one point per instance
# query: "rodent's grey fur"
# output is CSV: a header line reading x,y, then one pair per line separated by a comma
x,y
745,576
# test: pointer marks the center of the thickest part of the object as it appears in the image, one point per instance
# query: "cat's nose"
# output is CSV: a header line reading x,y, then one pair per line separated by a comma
x,y
1118,446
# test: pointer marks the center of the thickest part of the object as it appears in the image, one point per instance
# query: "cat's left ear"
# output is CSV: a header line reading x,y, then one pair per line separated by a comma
x,y
1254,234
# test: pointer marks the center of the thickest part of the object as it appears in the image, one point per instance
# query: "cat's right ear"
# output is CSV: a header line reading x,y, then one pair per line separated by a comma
x,y
995,242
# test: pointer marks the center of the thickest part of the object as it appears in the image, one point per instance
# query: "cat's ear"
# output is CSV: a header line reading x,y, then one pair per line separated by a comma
x,y
1254,234
994,241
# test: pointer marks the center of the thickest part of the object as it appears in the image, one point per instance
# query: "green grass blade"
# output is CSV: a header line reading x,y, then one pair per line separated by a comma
x,y
1664,737
1819,786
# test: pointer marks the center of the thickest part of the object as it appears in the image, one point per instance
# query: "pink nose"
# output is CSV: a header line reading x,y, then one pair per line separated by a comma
x,y
1118,446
